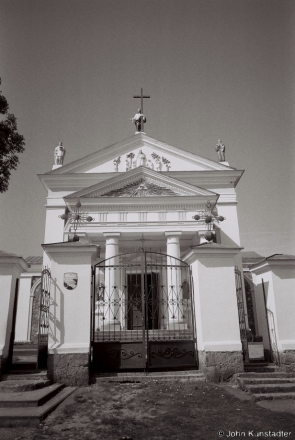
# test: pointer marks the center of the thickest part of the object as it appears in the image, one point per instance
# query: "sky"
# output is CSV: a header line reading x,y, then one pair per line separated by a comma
x,y
215,69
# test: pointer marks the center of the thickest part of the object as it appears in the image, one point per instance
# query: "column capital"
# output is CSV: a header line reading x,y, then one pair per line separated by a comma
x,y
173,233
111,234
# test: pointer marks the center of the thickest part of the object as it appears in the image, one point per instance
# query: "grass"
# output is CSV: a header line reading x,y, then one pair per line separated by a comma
x,y
156,411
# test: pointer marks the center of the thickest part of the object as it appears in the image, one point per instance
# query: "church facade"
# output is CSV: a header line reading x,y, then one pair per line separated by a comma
x,y
142,270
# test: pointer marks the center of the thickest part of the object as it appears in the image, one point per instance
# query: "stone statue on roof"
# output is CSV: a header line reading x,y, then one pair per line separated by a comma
x,y
220,148
59,154
138,119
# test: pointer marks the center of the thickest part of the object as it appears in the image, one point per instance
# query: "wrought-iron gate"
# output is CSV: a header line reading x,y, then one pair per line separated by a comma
x,y
241,311
44,319
142,313
274,352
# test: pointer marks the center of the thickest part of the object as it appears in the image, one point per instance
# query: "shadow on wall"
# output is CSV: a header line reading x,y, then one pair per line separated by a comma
x,y
56,326
226,240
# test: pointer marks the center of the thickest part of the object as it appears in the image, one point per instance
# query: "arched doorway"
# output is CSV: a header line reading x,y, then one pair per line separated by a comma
x,y
142,313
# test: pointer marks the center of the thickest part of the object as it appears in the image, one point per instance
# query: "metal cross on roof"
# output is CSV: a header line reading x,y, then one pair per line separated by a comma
x,y
77,216
208,217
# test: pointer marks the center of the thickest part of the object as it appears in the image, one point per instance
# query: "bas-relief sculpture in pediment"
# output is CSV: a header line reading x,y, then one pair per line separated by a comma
x,y
141,188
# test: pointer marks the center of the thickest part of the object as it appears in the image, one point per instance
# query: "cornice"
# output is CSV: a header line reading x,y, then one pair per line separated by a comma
x,y
182,203
79,181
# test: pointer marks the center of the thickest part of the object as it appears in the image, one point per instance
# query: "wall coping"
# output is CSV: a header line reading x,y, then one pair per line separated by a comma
x,y
10,261
210,250
266,265
66,248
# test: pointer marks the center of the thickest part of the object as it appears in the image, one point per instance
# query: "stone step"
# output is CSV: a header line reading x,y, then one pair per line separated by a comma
x,y
25,375
274,396
267,369
270,375
271,388
149,373
25,350
15,386
24,366
31,416
148,378
269,380
29,398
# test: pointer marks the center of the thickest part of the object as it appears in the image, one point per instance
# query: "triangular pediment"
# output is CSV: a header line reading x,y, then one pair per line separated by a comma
x,y
140,150
140,183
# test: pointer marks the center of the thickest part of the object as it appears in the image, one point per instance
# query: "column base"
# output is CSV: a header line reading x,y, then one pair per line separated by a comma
x,y
219,366
177,325
69,368
111,326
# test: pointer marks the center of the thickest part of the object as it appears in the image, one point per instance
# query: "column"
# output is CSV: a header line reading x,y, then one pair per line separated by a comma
x,y
174,283
111,307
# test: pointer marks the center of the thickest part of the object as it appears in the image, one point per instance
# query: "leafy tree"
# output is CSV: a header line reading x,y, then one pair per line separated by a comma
x,y
11,143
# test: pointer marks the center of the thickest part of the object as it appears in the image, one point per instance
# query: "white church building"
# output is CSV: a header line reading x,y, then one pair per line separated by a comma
x,y
142,270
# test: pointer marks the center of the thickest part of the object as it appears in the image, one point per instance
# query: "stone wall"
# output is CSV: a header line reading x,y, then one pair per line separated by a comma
x,y
69,368
219,366
288,361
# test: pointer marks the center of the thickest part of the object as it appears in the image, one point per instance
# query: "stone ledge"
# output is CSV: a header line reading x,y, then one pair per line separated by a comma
x,y
71,369
288,361
219,366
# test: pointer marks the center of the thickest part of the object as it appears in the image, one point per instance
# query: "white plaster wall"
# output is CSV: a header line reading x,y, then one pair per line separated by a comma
x,y
23,313
284,293
54,229
229,228
216,304
54,225
6,280
8,276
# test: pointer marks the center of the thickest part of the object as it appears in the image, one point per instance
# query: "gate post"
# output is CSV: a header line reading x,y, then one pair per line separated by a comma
x,y
11,266
69,317
217,321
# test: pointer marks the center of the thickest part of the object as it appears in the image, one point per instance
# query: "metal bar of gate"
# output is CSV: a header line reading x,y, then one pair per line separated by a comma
x,y
143,301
